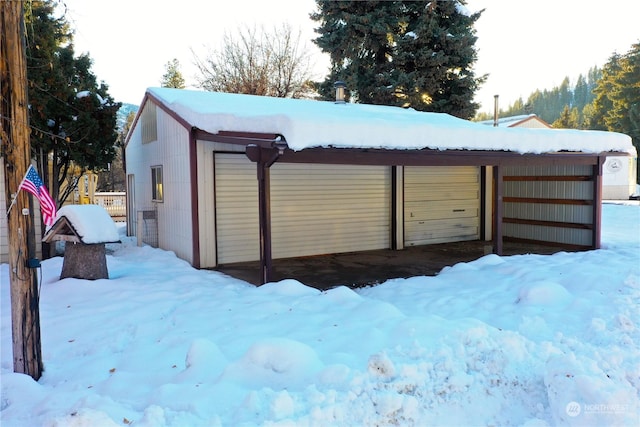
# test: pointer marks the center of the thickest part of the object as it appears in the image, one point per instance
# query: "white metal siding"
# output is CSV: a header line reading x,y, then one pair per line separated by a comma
x,y
554,212
441,204
315,209
172,153
174,213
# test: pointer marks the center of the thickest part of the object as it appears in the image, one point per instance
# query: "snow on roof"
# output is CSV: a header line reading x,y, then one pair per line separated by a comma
x,y
92,223
308,123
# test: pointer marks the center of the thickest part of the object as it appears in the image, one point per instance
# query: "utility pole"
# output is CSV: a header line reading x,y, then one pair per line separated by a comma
x,y
14,137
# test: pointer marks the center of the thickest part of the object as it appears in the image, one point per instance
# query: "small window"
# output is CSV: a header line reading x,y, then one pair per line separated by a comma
x,y
156,184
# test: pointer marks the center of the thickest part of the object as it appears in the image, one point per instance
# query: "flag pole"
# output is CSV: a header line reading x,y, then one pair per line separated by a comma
x,y
15,196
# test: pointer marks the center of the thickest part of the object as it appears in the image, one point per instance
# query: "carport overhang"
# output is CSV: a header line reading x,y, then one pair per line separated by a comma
x,y
266,149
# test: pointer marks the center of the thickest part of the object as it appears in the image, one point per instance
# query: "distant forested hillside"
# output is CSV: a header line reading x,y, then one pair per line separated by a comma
x,y
549,104
606,99
123,112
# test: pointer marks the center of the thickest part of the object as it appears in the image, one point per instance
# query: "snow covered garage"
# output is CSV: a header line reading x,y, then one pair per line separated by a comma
x,y
222,178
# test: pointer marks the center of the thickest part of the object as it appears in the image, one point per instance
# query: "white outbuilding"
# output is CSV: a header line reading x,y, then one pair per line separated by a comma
x,y
222,178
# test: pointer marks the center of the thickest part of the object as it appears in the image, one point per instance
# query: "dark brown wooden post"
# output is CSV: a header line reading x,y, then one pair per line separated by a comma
x,y
498,209
264,158
264,208
597,202
14,134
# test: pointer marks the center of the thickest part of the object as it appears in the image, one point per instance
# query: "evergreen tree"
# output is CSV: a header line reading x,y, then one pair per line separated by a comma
x,y
565,96
617,103
602,103
114,177
73,118
518,108
568,119
625,96
593,76
549,104
581,93
173,76
417,54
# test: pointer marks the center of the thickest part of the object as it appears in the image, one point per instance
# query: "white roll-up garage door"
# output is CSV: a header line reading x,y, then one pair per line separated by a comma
x,y
236,208
315,209
441,204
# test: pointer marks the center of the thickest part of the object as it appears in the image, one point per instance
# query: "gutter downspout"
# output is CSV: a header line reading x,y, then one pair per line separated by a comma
x,y
265,157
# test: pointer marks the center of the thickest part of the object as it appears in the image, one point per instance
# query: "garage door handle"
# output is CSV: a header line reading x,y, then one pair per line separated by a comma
x,y
459,210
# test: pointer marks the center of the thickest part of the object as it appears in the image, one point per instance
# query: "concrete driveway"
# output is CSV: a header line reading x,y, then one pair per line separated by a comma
x,y
357,269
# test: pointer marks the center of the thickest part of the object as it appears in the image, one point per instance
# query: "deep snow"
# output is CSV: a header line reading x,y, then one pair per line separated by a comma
x,y
307,123
522,340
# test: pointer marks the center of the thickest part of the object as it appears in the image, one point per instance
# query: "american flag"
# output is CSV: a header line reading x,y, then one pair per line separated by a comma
x,y
33,184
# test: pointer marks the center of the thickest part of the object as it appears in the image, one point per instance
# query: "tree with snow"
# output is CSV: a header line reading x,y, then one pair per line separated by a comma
x,y
417,54
72,116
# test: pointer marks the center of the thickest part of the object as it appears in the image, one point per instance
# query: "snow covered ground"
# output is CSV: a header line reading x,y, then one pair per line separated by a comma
x,y
523,340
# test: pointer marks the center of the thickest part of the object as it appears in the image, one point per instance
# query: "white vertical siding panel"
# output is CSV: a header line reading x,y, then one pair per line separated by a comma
x,y
557,213
171,151
549,234
174,213
206,204
572,190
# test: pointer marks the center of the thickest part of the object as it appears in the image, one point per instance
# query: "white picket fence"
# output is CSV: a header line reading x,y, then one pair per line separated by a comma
x,y
115,203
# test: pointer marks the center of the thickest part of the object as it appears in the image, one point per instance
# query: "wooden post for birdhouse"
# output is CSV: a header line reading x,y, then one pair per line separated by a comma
x,y
14,134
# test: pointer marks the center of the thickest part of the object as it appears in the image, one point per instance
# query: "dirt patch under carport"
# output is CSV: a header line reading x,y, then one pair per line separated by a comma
x,y
356,269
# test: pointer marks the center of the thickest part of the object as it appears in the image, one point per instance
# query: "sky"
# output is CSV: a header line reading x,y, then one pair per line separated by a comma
x,y
529,340
522,45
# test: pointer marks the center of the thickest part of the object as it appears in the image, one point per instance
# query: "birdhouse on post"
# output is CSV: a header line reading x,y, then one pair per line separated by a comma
x,y
85,229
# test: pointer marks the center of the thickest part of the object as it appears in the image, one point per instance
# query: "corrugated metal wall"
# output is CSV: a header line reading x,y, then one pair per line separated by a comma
x,y
441,204
549,204
315,209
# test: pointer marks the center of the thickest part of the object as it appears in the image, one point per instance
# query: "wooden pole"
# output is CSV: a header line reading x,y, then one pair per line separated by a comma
x,y
14,134
597,202
498,209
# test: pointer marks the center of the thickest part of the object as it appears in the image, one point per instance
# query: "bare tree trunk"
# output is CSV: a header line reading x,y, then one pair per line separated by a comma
x,y
25,313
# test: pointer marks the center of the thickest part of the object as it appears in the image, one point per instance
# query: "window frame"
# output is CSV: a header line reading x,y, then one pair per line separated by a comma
x,y
157,184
